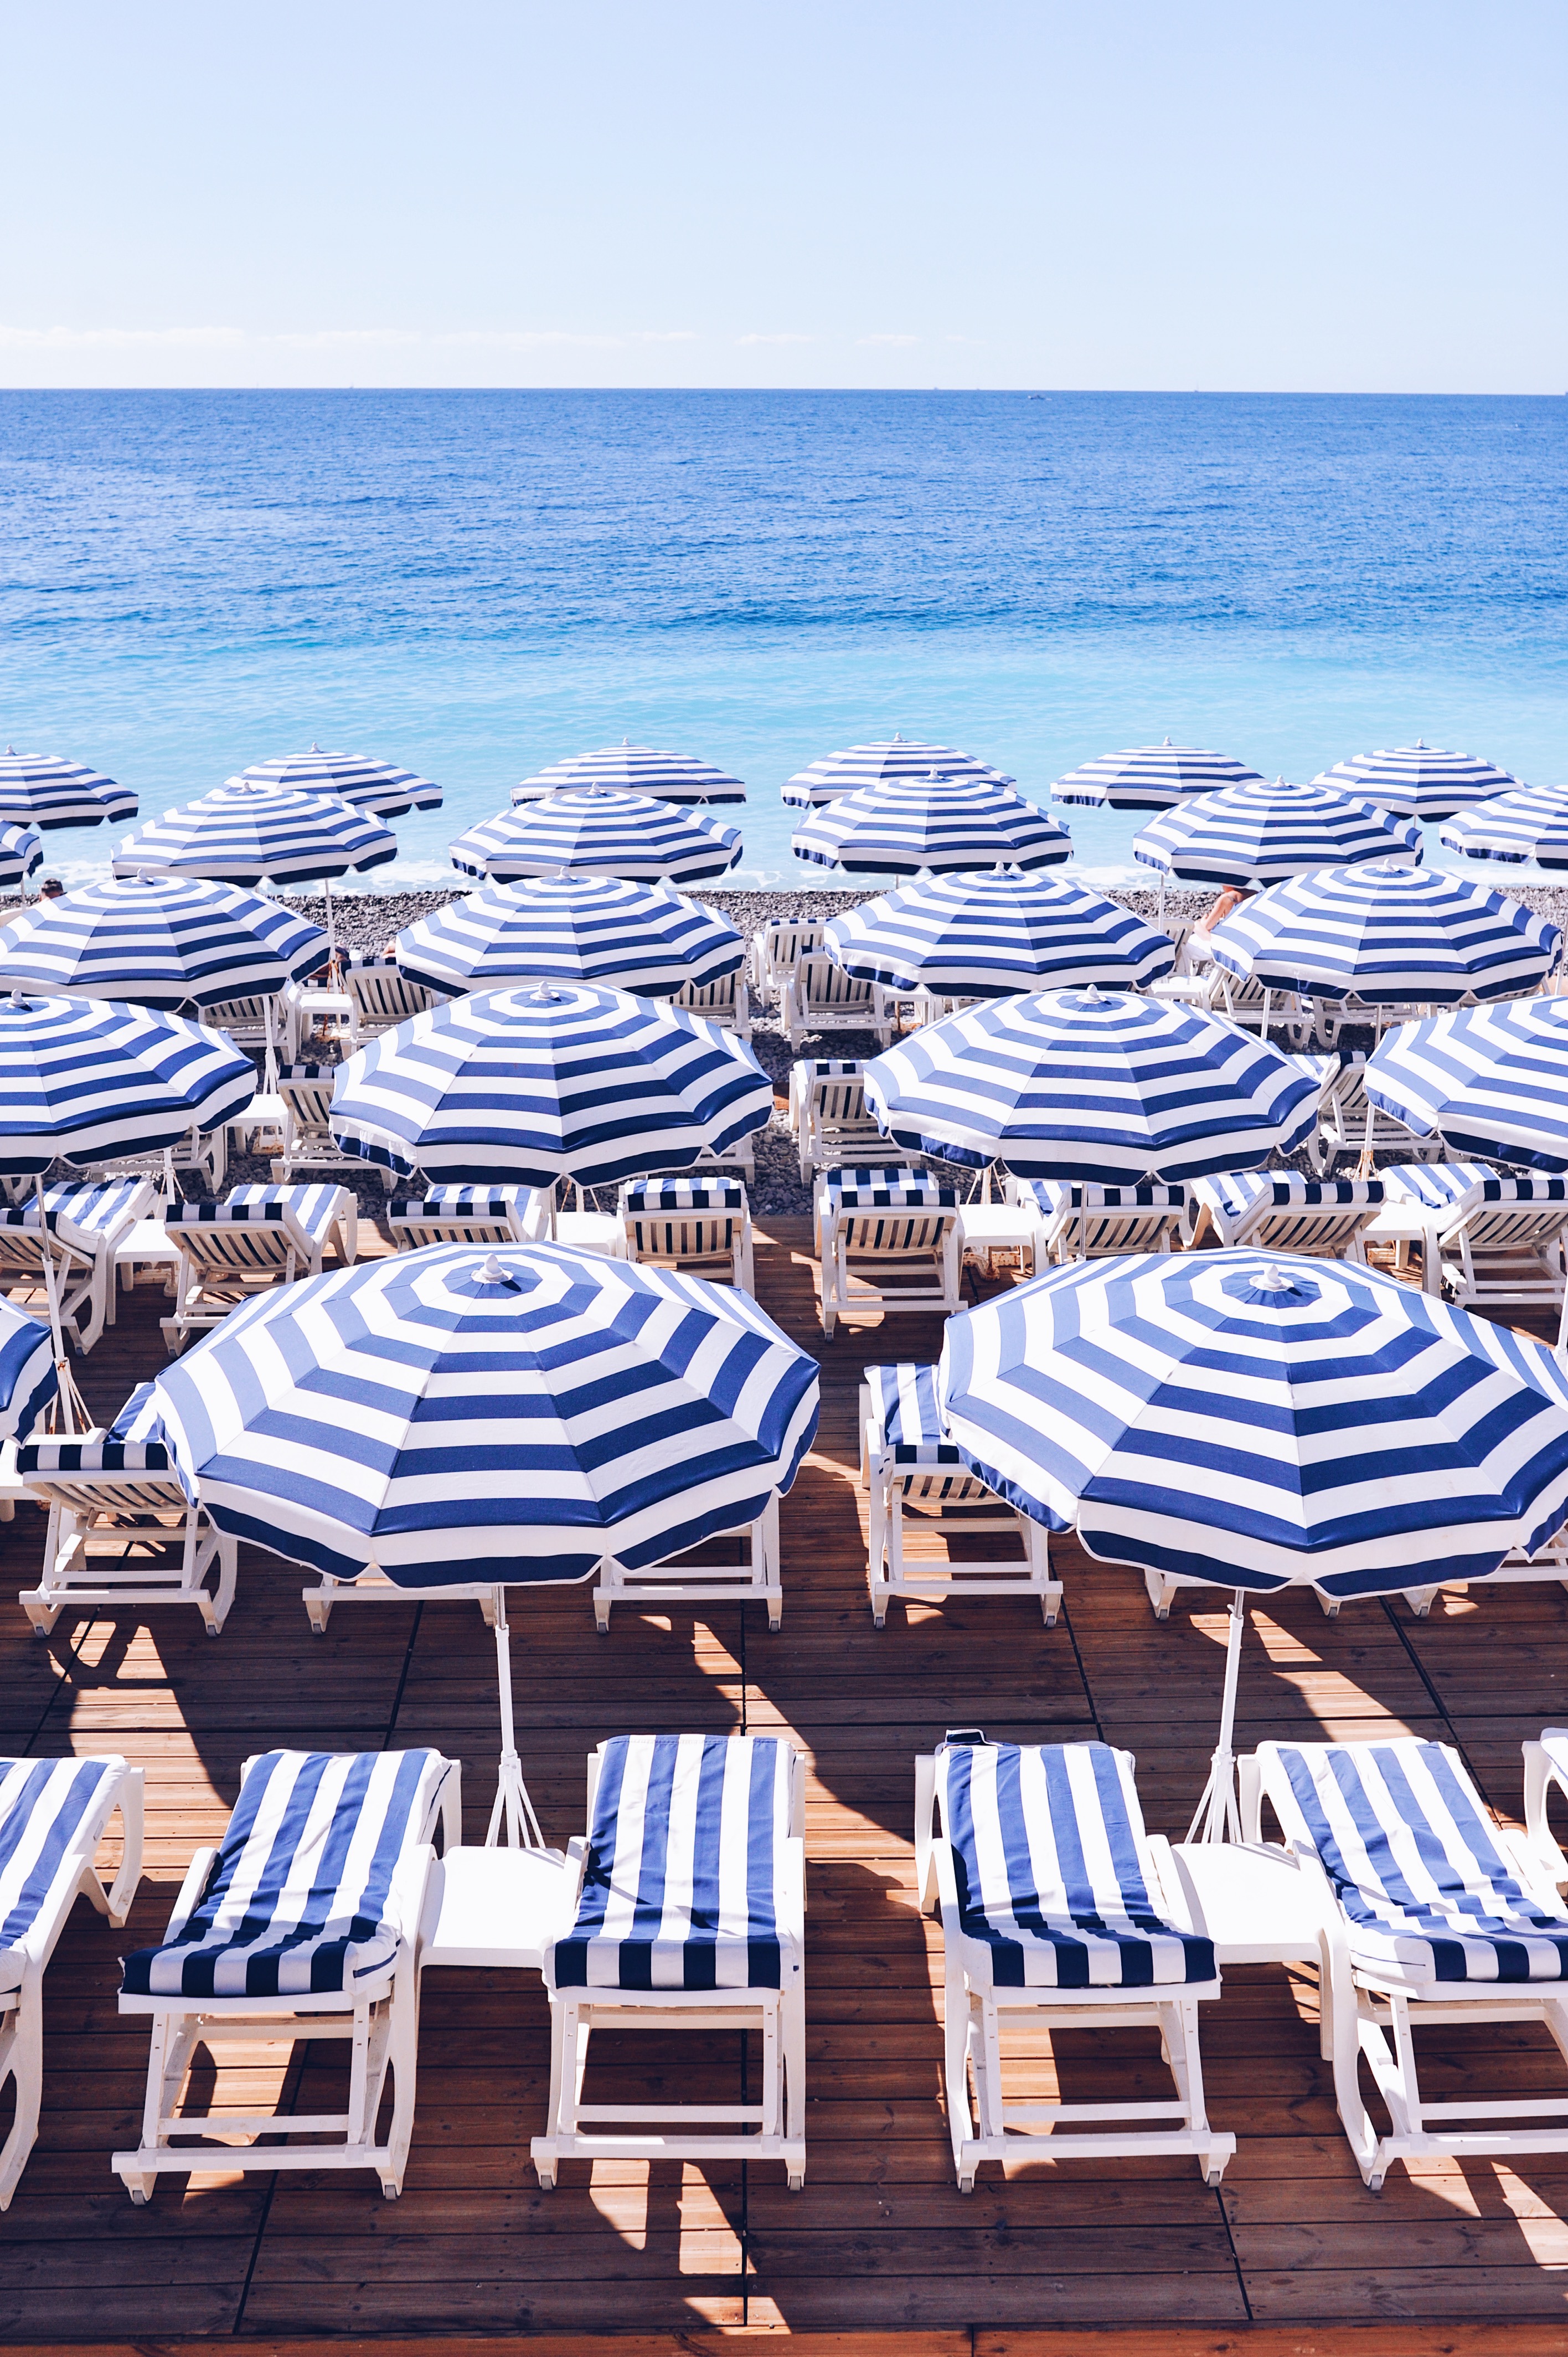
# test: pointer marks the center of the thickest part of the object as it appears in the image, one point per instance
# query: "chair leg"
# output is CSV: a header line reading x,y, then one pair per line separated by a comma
x,y
22,2060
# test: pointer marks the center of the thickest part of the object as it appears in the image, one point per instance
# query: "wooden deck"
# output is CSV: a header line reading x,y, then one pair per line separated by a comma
x,y
1289,2255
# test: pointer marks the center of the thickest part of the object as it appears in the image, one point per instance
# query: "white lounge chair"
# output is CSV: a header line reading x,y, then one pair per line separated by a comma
x,y
123,1528
755,1579
54,1814
303,1923
917,1482
308,1146
87,1225
1433,1914
381,997
777,951
259,1236
1498,1242
270,1024
889,1240
1080,1222
462,1215
726,1002
689,1916
828,1114
1348,1123
1060,1912
700,1225
820,997
1280,1211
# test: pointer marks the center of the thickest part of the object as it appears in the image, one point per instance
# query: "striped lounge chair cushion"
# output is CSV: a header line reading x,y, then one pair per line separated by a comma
x,y
1051,1892
1459,1188
314,1209
662,1194
829,1068
680,1889
1407,1844
888,1191
135,1443
1053,1194
1236,1192
457,1203
42,1804
296,1902
907,1418
93,1213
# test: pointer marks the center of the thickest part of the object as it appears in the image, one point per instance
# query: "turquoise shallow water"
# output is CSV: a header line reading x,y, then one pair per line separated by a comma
x,y
477,583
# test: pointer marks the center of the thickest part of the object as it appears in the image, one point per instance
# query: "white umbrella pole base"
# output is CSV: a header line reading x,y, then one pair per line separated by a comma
x,y
1218,1817
512,1820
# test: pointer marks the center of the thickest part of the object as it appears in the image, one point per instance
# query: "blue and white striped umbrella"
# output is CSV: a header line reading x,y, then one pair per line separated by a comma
x,y
992,932
1418,780
1488,1080
590,929
597,830
1071,1084
561,1082
459,1416
894,763
45,790
159,940
1150,777
1259,1421
934,824
28,1380
379,787
636,769
1269,833
86,1081
244,835
21,856
1386,934
1531,823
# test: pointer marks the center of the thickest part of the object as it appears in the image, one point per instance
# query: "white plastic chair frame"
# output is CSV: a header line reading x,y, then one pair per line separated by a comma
x,y
169,1548
820,997
726,1002
831,1125
888,1260
379,2017
670,2131
122,1793
225,1262
943,1502
777,951
714,1245
757,1579
309,1148
381,997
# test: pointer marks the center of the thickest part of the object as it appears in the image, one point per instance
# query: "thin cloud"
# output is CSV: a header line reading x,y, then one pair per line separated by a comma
x,y
319,339
775,340
889,340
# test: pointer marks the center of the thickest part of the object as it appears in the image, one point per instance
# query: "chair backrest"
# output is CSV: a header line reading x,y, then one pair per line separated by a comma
x,y
459,1214
1491,1209
1281,1211
381,994
300,1898
907,1430
681,1883
306,1092
710,997
43,1805
682,1218
128,1463
833,1093
1047,1841
889,1210
783,945
1098,1220
821,983
244,1018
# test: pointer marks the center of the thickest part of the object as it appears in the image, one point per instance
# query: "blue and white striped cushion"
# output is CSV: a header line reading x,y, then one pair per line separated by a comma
x,y
456,1202
316,1208
1234,1192
680,1889
94,1212
1067,1195
1461,1187
660,1195
1045,1840
42,1804
829,1068
135,1443
908,1420
888,1191
1407,1844
296,1901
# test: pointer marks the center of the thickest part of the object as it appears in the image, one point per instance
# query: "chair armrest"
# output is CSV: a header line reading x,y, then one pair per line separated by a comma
x,y
1540,1773
925,1834
1169,1893
1249,1788
130,1798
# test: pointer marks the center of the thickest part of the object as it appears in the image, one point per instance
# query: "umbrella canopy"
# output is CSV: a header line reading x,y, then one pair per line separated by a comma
x,y
1259,1422
1418,780
21,856
457,1416
934,823
573,929
379,787
1488,1080
597,830
1150,777
243,834
28,1380
894,763
561,1082
1531,823
1269,833
990,933
84,1081
1386,934
45,790
1072,1084
159,940
636,769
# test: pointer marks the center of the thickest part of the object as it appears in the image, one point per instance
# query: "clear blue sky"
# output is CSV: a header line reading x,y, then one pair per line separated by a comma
x,y
1357,194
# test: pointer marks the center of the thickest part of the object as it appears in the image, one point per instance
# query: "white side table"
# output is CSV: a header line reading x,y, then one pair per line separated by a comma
x,y
1252,1900
988,1228
316,1008
147,1246
259,1128
1402,1226
489,1908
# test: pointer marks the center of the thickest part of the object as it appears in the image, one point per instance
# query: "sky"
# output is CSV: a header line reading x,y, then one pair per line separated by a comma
x,y
1363,195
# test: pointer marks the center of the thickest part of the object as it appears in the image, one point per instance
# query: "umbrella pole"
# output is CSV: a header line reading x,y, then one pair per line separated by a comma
x,y
69,1397
512,1803
1216,1818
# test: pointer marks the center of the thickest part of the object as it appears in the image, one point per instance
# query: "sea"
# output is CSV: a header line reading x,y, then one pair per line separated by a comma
x,y
475,584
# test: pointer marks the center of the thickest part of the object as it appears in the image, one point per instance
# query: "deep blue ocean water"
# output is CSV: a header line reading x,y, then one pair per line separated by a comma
x,y
477,583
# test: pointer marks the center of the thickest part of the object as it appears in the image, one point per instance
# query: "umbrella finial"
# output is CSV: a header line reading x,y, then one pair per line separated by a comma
x,y
492,1272
1274,1280
1167,741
